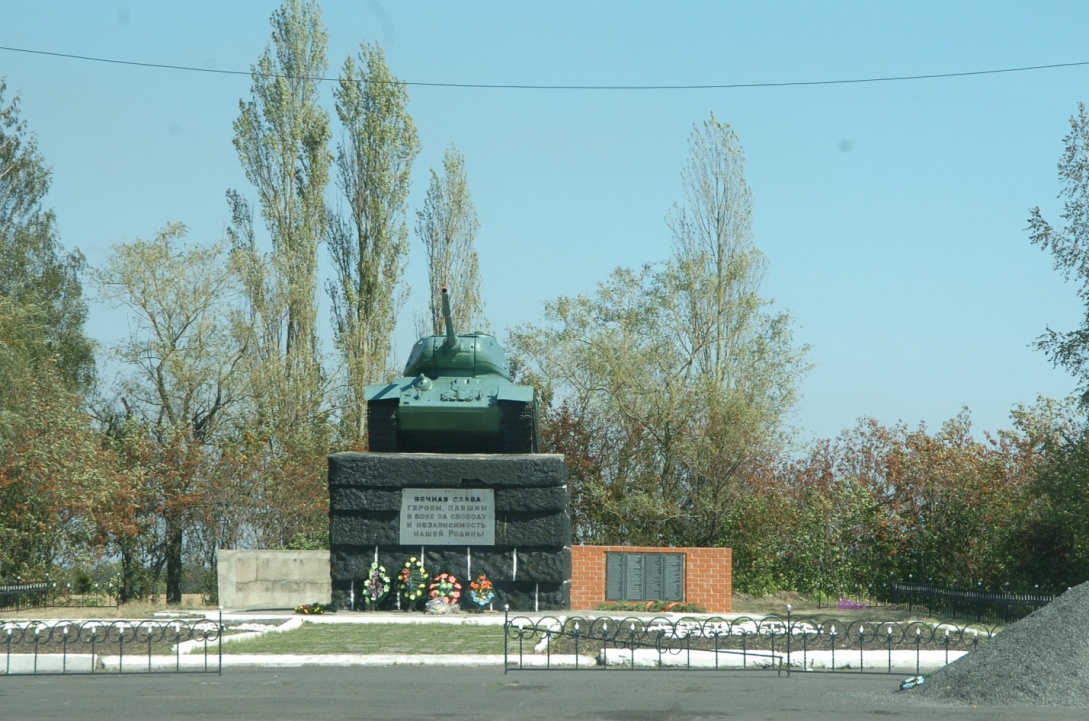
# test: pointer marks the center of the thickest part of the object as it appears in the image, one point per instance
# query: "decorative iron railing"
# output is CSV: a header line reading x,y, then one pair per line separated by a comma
x,y
25,596
111,646
780,643
985,606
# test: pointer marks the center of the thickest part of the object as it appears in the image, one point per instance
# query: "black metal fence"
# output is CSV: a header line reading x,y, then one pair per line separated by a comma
x,y
17,596
63,647
773,642
984,606
25,596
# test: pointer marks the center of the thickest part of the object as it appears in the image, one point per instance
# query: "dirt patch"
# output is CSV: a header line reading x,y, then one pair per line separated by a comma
x,y
191,603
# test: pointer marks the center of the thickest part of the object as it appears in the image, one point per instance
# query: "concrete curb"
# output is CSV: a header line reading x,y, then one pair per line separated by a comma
x,y
617,659
259,623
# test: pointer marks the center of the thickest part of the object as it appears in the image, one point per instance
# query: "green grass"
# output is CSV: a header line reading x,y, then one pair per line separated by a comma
x,y
807,606
391,638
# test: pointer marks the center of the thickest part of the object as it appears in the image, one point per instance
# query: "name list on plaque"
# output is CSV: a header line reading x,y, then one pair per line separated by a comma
x,y
448,516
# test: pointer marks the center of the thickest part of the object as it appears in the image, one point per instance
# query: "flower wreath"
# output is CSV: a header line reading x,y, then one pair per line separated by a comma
x,y
377,585
480,591
413,579
446,588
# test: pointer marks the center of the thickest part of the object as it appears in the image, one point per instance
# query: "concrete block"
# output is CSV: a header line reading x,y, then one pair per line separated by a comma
x,y
279,579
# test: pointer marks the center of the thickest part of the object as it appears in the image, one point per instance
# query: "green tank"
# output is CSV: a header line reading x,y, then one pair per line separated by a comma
x,y
456,396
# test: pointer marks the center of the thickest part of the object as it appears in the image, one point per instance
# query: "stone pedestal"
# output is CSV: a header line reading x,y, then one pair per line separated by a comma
x,y
530,561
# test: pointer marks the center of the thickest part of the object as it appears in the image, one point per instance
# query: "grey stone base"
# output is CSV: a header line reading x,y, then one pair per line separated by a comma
x,y
530,563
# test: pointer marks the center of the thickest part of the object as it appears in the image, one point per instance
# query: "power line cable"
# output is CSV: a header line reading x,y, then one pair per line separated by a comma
x,y
490,86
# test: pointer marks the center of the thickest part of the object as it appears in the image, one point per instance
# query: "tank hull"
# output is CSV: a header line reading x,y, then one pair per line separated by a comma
x,y
453,415
455,396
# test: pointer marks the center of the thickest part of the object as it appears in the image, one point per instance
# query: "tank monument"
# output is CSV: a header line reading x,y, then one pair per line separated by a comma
x,y
453,477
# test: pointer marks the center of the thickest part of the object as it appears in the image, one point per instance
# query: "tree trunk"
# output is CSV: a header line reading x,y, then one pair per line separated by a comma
x,y
173,560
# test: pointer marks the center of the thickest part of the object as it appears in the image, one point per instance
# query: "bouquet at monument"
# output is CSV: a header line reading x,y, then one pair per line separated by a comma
x,y
446,588
480,591
376,586
414,580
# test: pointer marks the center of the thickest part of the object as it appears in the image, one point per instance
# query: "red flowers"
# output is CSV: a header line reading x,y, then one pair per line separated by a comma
x,y
446,588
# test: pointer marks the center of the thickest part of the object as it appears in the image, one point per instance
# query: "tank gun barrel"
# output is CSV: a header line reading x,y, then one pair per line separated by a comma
x,y
451,336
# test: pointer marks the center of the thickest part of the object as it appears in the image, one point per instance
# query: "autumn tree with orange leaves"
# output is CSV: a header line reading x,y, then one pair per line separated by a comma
x,y
880,504
53,473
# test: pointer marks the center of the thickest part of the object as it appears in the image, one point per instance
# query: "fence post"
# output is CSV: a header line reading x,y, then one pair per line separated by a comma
x,y
221,640
790,632
506,634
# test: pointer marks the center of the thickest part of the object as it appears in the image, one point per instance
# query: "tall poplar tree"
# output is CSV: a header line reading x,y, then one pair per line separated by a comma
x,y
368,241
182,376
282,136
447,224
35,271
673,379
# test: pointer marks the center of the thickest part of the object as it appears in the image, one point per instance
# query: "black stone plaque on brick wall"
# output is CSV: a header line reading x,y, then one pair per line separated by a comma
x,y
644,576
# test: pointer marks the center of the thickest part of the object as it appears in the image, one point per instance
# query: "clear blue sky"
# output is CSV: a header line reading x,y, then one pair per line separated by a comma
x,y
893,214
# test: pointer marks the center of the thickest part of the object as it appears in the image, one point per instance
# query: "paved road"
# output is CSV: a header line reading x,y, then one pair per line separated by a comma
x,y
309,693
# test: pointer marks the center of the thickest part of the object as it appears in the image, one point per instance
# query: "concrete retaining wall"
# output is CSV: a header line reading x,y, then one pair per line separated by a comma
x,y
273,579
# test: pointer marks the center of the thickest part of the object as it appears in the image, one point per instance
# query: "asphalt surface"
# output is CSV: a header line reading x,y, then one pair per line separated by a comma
x,y
400,692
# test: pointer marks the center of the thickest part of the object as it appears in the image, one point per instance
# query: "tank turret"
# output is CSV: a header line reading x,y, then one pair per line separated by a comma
x,y
455,396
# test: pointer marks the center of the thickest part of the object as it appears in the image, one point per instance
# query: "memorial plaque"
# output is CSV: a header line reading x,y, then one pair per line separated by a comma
x,y
634,577
673,577
447,517
653,586
614,576
644,577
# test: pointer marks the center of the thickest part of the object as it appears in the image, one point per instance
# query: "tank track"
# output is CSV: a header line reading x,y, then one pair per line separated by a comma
x,y
519,427
382,426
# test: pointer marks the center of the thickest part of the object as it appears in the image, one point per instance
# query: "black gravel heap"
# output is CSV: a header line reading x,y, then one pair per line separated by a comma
x,y
1042,660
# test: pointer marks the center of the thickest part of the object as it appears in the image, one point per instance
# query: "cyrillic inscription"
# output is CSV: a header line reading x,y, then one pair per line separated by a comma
x,y
448,516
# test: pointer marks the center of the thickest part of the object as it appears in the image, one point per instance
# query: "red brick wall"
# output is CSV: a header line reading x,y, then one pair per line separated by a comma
x,y
708,575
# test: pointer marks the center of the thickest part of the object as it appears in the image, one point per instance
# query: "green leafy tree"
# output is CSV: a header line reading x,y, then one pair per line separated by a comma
x,y
880,503
369,241
1053,526
282,136
53,473
184,376
35,271
1049,543
685,372
448,225
1069,246
1058,530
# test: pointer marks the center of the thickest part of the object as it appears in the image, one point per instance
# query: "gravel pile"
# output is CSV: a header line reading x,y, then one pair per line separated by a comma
x,y
1042,660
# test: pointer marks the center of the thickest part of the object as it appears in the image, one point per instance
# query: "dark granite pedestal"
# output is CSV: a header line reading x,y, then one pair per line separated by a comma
x,y
529,563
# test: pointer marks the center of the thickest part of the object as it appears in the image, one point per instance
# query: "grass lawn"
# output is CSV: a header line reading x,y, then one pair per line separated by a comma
x,y
807,607
392,638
